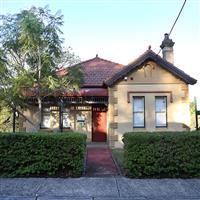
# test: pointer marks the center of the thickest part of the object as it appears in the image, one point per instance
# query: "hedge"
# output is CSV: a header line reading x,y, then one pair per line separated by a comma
x,y
42,154
159,155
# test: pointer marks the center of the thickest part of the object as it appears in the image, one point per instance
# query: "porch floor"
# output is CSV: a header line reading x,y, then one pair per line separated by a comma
x,y
99,161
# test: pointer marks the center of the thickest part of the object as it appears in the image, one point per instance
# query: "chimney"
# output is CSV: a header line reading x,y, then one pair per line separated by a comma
x,y
167,49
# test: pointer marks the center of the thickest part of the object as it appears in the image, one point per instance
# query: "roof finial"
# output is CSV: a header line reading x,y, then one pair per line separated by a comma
x,y
149,47
96,55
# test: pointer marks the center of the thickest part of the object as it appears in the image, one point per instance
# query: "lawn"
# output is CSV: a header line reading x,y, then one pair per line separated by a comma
x,y
118,155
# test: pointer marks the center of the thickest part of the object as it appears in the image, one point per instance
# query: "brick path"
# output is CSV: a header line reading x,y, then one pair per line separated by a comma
x,y
99,162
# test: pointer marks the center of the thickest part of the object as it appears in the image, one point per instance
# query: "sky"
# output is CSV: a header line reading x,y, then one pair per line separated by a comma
x,y
121,30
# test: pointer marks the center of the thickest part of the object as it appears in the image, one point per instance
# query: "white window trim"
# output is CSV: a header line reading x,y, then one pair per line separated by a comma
x,y
66,113
163,112
143,98
46,113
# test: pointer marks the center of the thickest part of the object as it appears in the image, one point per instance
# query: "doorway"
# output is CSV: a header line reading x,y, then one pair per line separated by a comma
x,y
99,124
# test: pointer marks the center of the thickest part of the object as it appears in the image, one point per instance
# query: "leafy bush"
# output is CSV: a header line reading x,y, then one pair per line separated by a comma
x,y
162,154
42,154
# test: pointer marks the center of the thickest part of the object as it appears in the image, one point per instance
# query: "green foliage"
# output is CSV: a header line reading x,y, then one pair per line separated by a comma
x,y
31,50
5,118
23,79
75,76
42,154
162,154
193,117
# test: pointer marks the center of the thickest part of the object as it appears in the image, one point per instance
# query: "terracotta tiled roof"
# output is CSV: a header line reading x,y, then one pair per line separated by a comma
x,y
96,71
149,55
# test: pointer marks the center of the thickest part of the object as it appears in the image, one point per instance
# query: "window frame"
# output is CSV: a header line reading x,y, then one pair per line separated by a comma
x,y
166,122
42,118
144,119
65,111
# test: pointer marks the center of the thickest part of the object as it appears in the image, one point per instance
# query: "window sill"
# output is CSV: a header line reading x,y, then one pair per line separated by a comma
x,y
53,130
67,129
44,128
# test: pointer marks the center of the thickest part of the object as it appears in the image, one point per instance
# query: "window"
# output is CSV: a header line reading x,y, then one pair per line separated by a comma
x,y
138,112
45,118
161,111
66,120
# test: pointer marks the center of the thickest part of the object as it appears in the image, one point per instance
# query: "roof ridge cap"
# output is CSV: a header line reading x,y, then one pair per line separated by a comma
x,y
100,59
81,62
110,61
87,60
139,57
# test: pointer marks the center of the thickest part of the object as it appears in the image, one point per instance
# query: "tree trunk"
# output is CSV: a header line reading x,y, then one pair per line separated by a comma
x,y
39,89
196,113
61,115
14,118
39,111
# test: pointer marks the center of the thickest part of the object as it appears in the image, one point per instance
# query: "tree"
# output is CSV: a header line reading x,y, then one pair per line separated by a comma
x,y
31,50
5,118
192,116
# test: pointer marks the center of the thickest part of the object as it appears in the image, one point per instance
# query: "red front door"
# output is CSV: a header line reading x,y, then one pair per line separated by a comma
x,y
99,126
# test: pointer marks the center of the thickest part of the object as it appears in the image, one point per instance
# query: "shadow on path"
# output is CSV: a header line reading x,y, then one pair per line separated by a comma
x,y
99,161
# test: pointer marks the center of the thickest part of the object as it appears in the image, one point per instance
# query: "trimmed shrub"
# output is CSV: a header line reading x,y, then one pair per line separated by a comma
x,y
162,155
42,154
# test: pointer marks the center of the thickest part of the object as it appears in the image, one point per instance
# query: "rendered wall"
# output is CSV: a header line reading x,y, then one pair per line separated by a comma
x,y
32,114
149,81
83,127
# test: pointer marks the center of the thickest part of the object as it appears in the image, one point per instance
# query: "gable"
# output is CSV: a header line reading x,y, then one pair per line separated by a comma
x,y
142,61
151,72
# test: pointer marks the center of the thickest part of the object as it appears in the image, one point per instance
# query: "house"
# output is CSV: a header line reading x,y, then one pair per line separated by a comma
x,y
149,94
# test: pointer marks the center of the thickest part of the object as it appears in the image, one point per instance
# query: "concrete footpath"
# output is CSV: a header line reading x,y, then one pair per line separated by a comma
x,y
105,188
